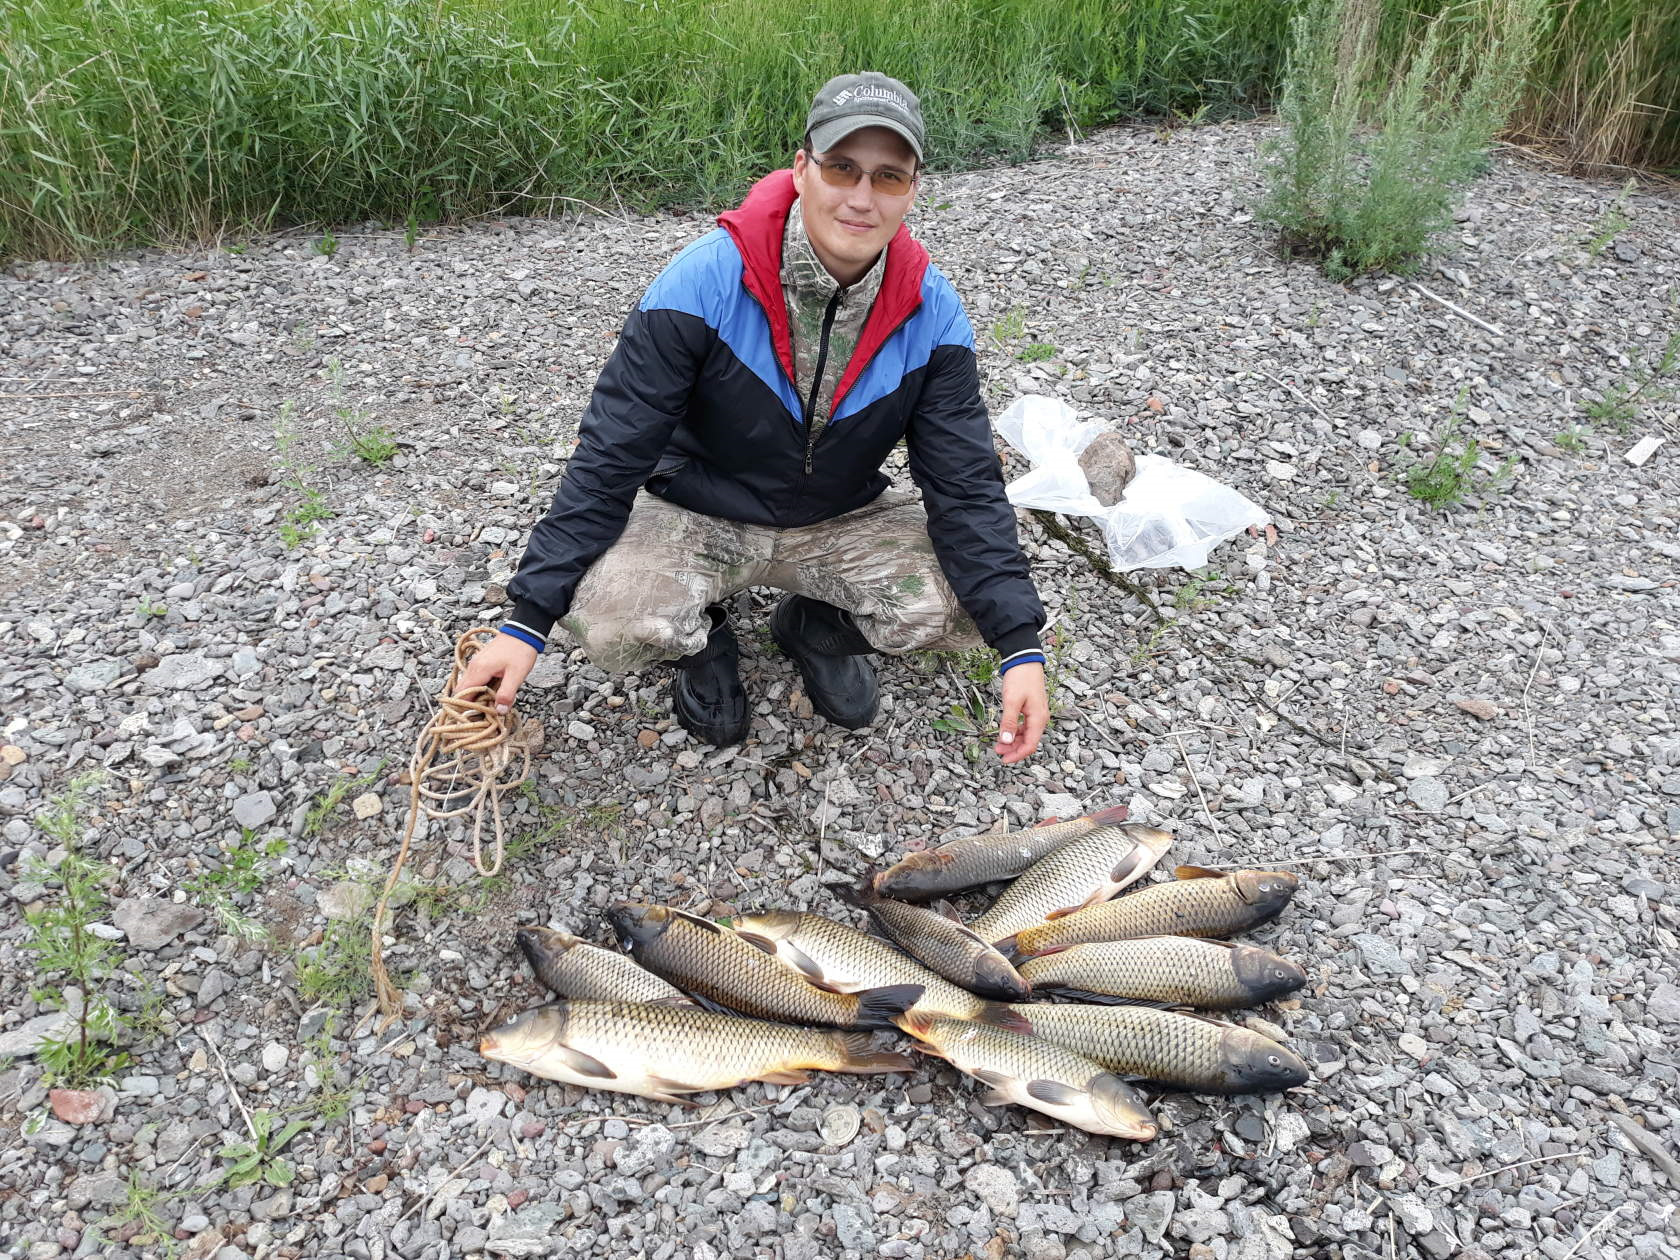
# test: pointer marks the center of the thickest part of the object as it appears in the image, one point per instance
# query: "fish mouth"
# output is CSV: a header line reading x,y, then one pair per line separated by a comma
x,y
635,924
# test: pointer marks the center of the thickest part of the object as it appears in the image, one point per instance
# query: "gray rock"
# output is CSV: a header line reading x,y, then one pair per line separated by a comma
x,y
1664,1003
184,671
1428,794
26,1038
1109,467
345,901
151,923
95,675
1380,957
254,809
1152,1213
995,1186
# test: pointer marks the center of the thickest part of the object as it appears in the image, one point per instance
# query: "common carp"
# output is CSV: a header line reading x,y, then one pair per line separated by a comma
x,y
1088,870
985,859
1192,1052
663,1052
714,965
1032,1072
1199,902
945,945
570,967
1169,970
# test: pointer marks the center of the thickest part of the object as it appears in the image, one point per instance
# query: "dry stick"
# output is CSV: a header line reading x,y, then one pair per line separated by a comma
x,y
430,1194
1609,1216
1293,390
1494,1172
102,393
226,1076
1457,310
1196,782
1528,714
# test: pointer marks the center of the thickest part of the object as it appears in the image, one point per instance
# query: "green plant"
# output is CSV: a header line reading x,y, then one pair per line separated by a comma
x,y
1613,222
335,970
1620,404
259,1159
241,765
138,1217
1571,439
327,246
1011,326
1036,352
411,231
376,445
1446,476
245,864
971,718
238,251
62,939
148,609
322,807
1364,201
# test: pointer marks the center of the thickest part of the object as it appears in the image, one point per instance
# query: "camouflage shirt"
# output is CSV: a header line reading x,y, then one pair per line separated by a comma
x,y
808,288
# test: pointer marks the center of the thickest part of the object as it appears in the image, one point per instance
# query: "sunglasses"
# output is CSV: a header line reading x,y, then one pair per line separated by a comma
x,y
844,173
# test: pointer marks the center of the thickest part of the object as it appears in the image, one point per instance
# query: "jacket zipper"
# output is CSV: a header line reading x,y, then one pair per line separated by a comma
x,y
817,378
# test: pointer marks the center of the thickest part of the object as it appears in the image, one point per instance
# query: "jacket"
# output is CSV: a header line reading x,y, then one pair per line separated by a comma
x,y
697,403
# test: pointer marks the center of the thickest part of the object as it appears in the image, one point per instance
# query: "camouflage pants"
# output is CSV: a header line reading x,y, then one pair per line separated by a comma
x,y
645,599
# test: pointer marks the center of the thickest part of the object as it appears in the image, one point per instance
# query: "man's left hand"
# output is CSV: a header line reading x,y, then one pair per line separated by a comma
x,y
1026,712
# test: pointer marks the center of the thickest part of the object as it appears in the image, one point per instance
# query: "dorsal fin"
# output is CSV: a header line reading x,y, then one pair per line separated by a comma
x,y
1197,872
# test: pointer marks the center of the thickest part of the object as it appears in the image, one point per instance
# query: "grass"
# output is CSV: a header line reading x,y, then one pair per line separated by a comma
x,y
1448,476
325,804
259,1159
245,865
1613,222
1621,403
1036,352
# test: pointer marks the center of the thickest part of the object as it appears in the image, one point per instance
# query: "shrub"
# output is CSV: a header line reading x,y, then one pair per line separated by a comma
x,y
1365,198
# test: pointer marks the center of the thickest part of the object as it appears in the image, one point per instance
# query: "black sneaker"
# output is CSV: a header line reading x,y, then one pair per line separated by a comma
x,y
830,650
706,693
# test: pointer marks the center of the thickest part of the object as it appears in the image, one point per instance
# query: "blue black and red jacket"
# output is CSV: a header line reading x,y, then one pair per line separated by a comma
x,y
698,404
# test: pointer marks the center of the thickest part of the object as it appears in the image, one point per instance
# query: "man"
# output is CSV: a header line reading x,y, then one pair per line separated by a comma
x,y
736,438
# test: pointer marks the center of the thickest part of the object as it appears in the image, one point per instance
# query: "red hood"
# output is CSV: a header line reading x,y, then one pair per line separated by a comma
x,y
757,225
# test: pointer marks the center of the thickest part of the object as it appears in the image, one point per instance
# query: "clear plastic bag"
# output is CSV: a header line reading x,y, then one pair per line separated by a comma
x,y
1169,516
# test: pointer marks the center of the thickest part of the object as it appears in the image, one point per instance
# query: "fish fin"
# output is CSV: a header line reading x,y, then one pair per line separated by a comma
x,y
1110,816
670,1091
585,1064
676,999
1197,872
1110,999
995,1098
698,921
1046,822
784,1076
1062,912
914,1023
1017,955
758,942
992,1078
1053,1092
1000,1016
949,911
857,1055
876,1007
711,1004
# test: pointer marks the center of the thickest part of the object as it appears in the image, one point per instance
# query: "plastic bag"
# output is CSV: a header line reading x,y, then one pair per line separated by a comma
x,y
1169,516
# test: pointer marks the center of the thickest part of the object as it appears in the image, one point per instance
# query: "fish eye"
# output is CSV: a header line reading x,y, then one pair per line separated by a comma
x,y
1279,972
1273,1060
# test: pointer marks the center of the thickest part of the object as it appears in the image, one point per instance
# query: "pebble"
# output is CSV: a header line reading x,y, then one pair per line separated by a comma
x,y
1430,795
150,923
254,809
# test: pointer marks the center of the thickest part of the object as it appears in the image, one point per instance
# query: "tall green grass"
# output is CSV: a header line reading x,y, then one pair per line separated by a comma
x,y
154,120
127,120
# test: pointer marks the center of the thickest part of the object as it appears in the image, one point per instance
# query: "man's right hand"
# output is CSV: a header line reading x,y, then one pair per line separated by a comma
x,y
502,663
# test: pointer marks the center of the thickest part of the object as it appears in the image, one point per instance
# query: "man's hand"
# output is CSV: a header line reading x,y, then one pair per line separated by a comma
x,y
1026,712
509,660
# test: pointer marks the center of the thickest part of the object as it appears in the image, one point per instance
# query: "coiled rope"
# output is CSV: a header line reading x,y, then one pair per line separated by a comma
x,y
467,749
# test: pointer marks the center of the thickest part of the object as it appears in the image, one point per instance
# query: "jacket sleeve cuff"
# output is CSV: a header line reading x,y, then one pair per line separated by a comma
x,y
1020,639
529,623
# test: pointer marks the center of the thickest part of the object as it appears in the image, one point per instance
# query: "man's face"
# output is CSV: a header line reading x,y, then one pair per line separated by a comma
x,y
848,227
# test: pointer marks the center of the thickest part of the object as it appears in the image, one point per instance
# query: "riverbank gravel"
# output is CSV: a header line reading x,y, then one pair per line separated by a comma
x,y
1458,726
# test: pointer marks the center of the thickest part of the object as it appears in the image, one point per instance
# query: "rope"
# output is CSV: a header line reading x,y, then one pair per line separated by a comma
x,y
468,748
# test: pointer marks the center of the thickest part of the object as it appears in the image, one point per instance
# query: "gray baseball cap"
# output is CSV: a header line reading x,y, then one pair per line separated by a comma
x,y
849,102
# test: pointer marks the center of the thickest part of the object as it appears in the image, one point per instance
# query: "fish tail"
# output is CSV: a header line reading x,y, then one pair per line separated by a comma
x,y
1110,816
876,1007
854,1053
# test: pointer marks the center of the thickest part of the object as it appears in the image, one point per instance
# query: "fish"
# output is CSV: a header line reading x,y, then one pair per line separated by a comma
x,y
570,967
985,859
944,944
713,965
836,956
1088,870
1199,902
663,1052
1033,1072
1180,1051
1167,970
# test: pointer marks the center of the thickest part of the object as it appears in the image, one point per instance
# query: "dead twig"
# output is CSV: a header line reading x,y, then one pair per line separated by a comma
x,y
1196,782
1609,1216
1457,310
1494,1172
430,1194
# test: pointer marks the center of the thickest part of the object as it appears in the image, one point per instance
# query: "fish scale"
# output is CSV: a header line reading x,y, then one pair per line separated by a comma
x,y
1182,1051
1170,969
1093,867
985,859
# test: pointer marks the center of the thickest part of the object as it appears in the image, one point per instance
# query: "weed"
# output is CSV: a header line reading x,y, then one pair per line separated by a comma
x,y
63,941
259,1159
1571,439
241,765
246,863
1620,404
1613,222
321,809
1445,478
970,717
139,1218
1011,326
146,608
411,231
335,970
238,251
1370,202
1036,352
327,246
376,445
332,1096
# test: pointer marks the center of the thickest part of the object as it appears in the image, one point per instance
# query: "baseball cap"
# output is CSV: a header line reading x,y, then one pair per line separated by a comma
x,y
849,102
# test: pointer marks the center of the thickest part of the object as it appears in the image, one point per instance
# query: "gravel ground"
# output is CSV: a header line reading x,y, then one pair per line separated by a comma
x,y
1459,727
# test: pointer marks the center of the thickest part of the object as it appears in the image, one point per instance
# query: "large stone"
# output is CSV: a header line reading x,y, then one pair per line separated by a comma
x,y
151,923
1664,1003
1152,1213
95,676
995,1186
345,900
1109,467
1380,957
185,671
527,1232
254,809
27,1038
